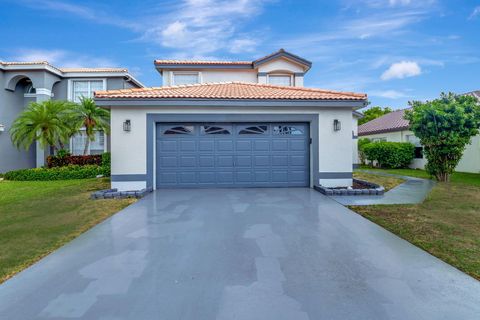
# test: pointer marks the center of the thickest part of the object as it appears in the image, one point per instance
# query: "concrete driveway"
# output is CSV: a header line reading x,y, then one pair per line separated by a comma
x,y
277,254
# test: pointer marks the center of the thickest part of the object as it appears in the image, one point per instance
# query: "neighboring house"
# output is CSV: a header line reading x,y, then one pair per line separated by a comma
x,y
232,124
24,82
393,127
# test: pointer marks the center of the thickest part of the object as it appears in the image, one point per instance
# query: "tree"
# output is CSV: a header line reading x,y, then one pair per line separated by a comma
x,y
444,126
373,113
44,122
92,118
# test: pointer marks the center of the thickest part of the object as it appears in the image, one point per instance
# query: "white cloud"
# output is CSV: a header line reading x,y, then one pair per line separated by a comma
x,y
475,12
242,45
60,58
204,26
389,94
400,70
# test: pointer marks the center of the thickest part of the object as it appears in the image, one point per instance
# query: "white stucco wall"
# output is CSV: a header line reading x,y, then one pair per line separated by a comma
x,y
470,161
129,150
355,158
278,66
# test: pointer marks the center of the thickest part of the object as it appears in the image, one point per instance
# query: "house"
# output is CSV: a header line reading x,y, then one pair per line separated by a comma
x,y
25,82
231,124
393,127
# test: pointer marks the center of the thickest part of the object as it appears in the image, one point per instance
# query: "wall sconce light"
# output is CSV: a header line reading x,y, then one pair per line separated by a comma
x,y
337,125
2,127
127,126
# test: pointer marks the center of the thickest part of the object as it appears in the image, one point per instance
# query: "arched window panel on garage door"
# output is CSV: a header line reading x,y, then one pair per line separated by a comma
x,y
178,130
258,129
292,130
215,129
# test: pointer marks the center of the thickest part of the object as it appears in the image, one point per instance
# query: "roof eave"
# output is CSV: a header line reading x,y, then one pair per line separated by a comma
x,y
368,133
157,102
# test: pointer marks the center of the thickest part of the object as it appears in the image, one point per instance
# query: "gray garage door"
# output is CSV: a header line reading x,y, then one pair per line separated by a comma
x,y
232,155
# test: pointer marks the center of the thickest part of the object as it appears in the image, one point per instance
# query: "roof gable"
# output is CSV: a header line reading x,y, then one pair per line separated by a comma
x,y
283,54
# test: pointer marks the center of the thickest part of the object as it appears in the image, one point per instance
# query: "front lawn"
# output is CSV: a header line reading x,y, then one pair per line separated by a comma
x,y
37,217
446,224
387,182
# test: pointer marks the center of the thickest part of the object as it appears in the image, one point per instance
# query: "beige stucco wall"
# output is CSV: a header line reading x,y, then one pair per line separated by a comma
x,y
470,161
129,150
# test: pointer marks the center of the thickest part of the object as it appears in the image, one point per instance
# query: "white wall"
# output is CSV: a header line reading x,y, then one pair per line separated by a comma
x,y
278,66
355,158
129,150
470,161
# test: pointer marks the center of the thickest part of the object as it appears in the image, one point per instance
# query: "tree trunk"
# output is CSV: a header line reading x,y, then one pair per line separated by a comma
x,y
87,143
61,144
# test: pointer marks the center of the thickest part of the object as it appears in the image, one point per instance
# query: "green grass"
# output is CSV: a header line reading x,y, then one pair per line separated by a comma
x,y
457,177
446,224
37,217
387,182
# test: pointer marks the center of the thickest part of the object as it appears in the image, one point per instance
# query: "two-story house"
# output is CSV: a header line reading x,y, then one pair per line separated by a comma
x,y
25,82
232,124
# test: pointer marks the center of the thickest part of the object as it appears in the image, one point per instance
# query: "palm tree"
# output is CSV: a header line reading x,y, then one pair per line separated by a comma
x,y
92,118
44,122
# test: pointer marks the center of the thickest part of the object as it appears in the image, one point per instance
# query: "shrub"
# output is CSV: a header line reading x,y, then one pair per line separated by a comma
x,y
59,161
444,126
57,173
361,143
389,154
106,159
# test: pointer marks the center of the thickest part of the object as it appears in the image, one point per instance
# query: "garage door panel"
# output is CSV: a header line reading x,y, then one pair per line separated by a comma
x,y
168,146
188,161
229,155
244,145
243,161
225,161
297,145
206,145
188,145
262,161
261,145
280,145
206,161
280,160
224,145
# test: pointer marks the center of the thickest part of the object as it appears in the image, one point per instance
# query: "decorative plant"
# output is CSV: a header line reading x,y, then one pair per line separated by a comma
x,y
389,154
444,126
88,115
45,122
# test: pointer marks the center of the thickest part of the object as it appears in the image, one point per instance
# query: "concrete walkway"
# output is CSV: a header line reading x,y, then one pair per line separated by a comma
x,y
413,190
244,254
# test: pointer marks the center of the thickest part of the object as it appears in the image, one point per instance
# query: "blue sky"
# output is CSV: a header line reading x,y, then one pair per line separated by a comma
x,y
394,50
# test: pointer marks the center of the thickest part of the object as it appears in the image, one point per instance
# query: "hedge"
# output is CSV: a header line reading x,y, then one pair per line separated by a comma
x,y
62,161
389,154
57,173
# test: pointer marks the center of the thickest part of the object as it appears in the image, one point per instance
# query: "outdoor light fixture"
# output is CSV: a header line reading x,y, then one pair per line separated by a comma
x,y
127,126
2,127
337,125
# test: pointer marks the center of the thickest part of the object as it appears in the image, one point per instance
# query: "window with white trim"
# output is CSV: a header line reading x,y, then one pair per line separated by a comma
x,y
97,146
280,79
85,88
379,139
180,78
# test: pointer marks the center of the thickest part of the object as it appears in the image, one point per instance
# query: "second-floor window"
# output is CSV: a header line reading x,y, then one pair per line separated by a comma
x,y
280,79
85,88
185,78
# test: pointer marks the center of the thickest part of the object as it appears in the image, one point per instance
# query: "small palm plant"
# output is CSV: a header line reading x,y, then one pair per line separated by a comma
x,y
45,122
92,118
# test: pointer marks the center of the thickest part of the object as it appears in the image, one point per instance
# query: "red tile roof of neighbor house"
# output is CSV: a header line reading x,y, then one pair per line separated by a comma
x,y
390,122
231,90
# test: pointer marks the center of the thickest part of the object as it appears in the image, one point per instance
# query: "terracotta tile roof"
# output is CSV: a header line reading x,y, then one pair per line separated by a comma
x,y
9,63
390,122
93,69
231,90
202,62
